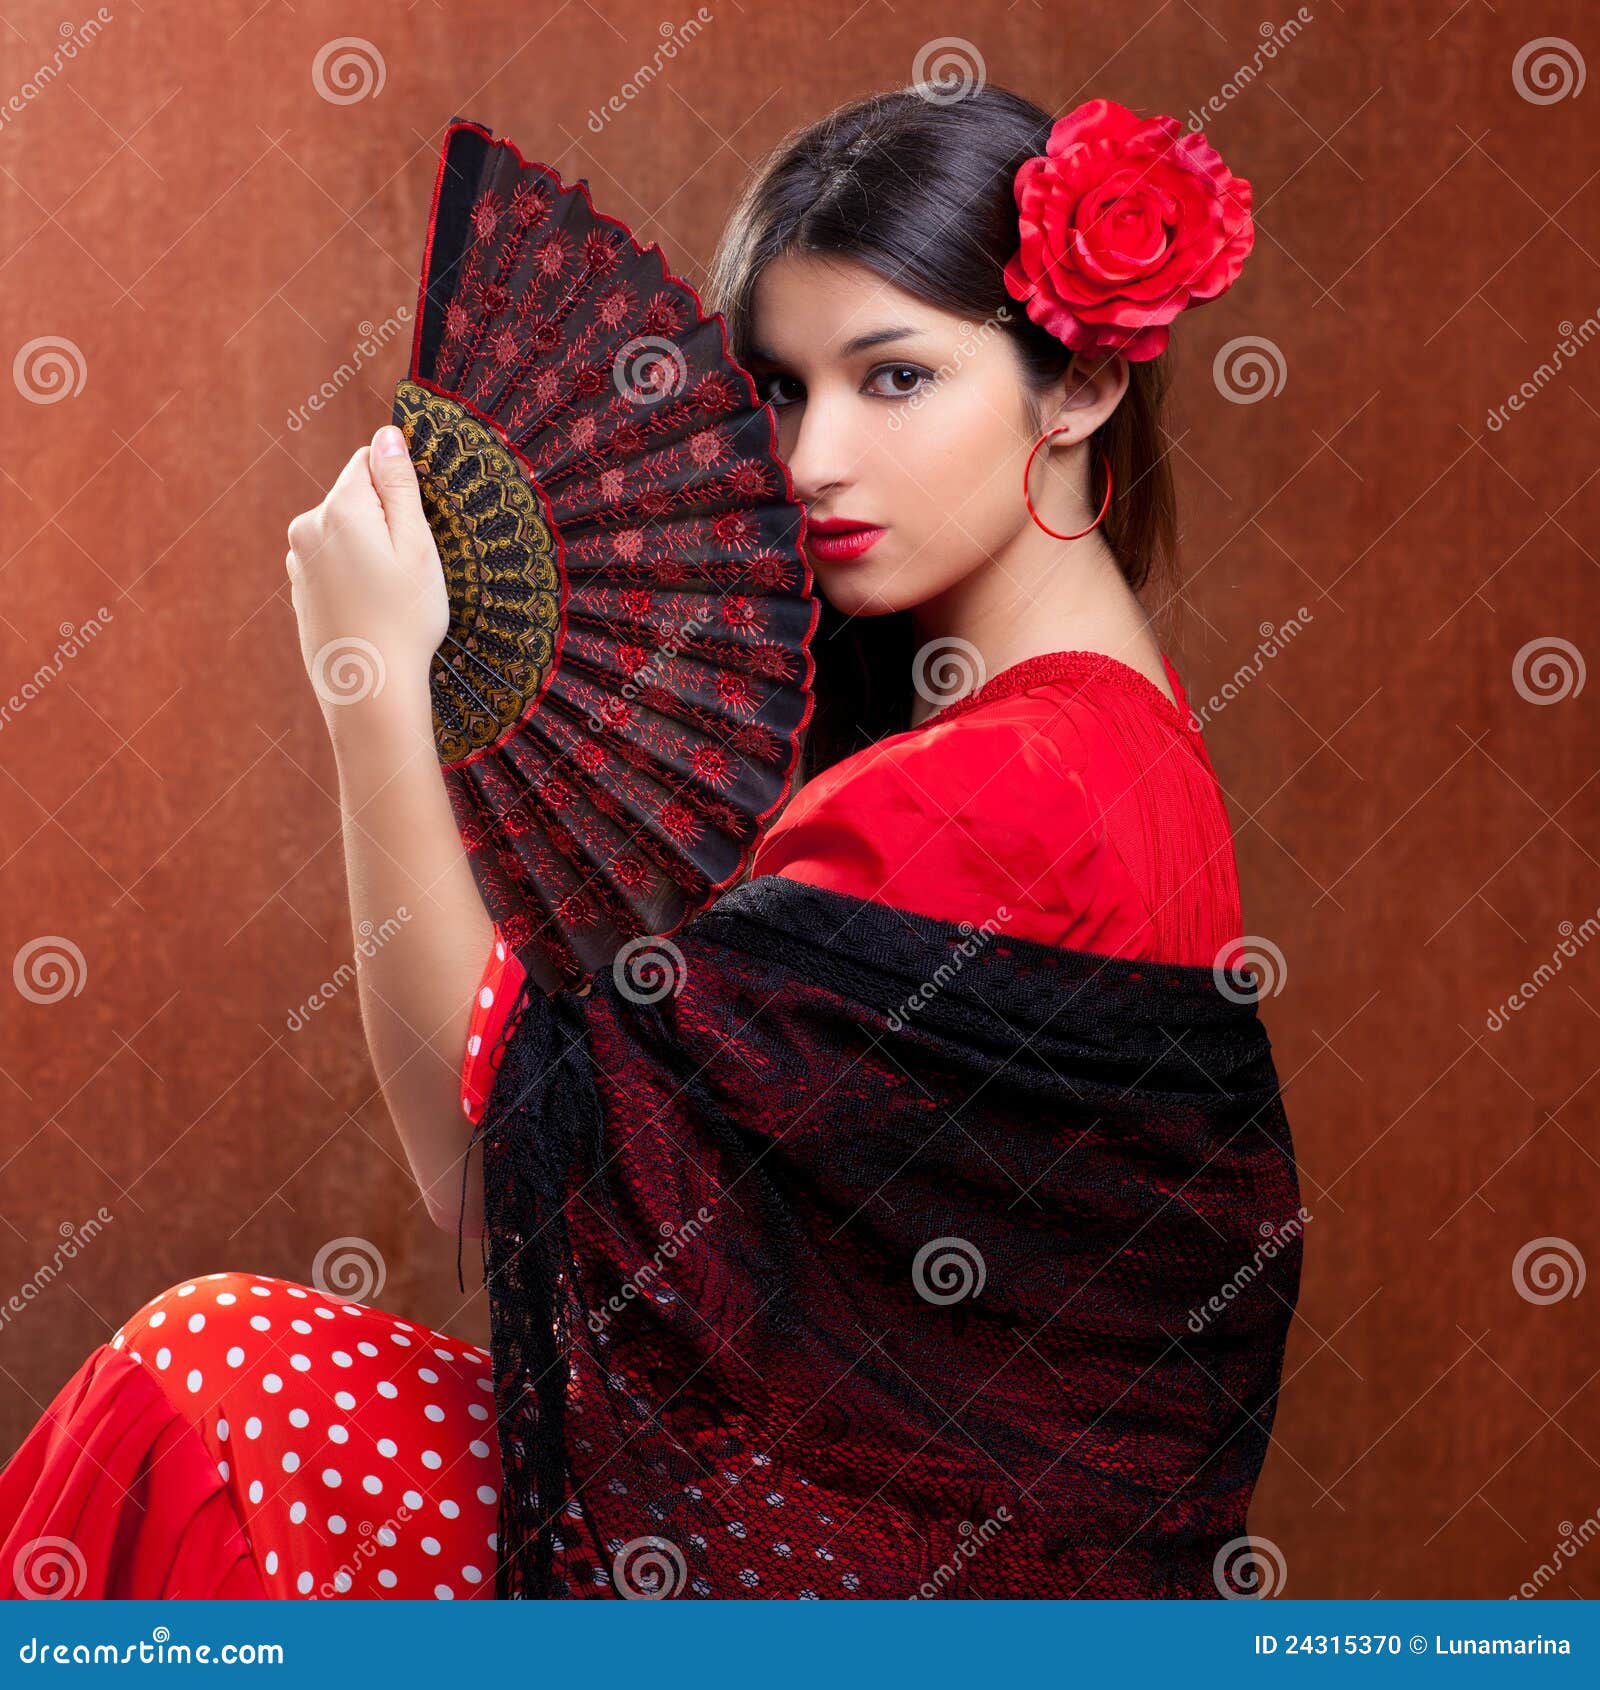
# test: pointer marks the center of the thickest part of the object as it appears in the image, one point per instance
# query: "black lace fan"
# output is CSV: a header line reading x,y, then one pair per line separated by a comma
x,y
619,700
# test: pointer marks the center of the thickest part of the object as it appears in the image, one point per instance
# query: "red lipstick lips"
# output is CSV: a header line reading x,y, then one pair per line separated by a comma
x,y
836,538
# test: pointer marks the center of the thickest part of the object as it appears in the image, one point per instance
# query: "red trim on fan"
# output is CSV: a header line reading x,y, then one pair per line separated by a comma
x,y
808,582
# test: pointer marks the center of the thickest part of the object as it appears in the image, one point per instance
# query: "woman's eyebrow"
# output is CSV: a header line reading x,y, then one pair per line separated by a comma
x,y
878,337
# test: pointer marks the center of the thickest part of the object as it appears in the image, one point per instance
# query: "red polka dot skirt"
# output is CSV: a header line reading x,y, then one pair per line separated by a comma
x,y
248,1436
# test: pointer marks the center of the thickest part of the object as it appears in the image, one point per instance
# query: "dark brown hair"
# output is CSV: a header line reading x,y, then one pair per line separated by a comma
x,y
921,192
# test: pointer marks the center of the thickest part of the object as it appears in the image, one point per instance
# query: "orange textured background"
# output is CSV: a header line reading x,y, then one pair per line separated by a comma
x,y
209,239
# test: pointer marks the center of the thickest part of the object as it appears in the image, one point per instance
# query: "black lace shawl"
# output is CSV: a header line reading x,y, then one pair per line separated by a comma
x,y
835,1250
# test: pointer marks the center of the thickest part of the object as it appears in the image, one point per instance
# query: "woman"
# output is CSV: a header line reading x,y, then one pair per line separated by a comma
x,y
865,1249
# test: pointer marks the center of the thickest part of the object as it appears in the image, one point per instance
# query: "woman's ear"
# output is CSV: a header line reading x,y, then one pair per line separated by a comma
x,y
1085,394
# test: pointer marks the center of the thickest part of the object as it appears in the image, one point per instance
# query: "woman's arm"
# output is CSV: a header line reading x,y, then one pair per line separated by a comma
x,y
372,608
413,897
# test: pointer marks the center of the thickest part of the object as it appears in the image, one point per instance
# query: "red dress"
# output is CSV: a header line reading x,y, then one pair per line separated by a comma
x,y
249,1436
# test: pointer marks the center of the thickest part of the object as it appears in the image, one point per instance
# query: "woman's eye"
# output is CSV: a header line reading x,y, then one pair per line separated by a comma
x,y
894,373
766,390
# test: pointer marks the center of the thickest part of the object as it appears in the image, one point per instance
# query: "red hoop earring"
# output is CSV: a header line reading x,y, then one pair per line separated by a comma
x,y
1035,515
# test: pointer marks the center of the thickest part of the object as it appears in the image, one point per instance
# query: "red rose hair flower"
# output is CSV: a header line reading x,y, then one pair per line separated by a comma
x,y
1125,221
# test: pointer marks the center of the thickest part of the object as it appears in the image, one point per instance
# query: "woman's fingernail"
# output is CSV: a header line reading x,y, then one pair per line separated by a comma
x,y
391,442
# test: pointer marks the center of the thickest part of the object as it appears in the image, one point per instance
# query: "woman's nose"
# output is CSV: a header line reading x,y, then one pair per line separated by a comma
x,y
819,451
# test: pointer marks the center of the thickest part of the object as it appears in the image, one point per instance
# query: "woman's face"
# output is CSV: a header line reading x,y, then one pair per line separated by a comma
x,y
893,412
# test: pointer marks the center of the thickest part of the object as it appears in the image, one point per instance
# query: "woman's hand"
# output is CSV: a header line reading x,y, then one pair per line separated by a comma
x,y
368,590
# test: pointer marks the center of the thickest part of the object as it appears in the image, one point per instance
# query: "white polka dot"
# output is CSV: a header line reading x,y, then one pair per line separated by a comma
x,y
474,1044
222,1431
444,1592
344,1400
388,1447
372,1484
478,1447
235,1357
367,1349
493,1540
194,1381
338,1434
433,1411
226,1297
477,1411
272,1561
332,1477
271,1382
252,1427
256,1490
449,1509
486,998
260,1323
471,1575
297,1512
290,1461
386,1536
432,1458
163,1356
342,1581
430,1546
298,1291
466,1105
486,1495
399,1338
500,951
387,1579
299,1417
223,1469
303,1584
386,1389
159,1316
300,1363
185,1290
301,1326
427,1375
342,1358
412,1499
196,1321
336,1523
